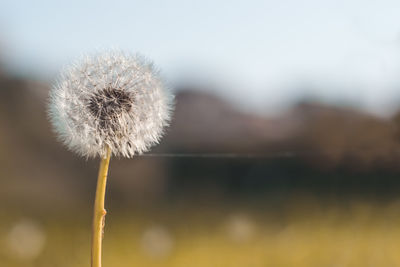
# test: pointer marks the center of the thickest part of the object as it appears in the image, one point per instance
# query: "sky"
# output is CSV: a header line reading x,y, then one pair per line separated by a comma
x,y
263,55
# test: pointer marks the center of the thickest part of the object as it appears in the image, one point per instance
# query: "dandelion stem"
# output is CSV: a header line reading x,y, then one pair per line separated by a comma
x,y
99,211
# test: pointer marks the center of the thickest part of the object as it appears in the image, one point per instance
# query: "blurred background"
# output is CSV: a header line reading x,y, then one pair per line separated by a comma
x,y
284,148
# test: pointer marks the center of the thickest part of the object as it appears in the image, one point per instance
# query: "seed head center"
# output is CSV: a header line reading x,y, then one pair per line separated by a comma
x,y
108,104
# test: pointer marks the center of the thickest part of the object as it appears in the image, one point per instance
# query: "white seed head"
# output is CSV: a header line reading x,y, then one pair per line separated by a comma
x,y
110,100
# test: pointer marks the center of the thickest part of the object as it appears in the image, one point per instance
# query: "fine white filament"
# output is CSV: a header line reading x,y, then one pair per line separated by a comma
x,y
110,100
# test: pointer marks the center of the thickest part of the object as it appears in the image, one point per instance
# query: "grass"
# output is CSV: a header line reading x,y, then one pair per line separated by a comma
x,y
301,234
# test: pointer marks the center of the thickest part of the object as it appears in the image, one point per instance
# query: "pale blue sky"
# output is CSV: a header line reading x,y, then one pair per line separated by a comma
x,y
264,54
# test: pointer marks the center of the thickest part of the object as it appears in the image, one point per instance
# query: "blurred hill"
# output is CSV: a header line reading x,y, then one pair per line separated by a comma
x,y
317,137
329,135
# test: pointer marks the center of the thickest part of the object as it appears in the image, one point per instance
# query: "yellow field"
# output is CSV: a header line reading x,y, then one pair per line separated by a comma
x,y
356,234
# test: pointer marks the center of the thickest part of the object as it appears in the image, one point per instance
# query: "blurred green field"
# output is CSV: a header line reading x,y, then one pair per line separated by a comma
x,y
303,233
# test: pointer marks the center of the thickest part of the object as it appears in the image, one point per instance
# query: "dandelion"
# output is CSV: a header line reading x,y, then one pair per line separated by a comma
x,y
109,104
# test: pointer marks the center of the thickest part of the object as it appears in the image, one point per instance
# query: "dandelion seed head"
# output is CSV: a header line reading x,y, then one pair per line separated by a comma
x,y
113,100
